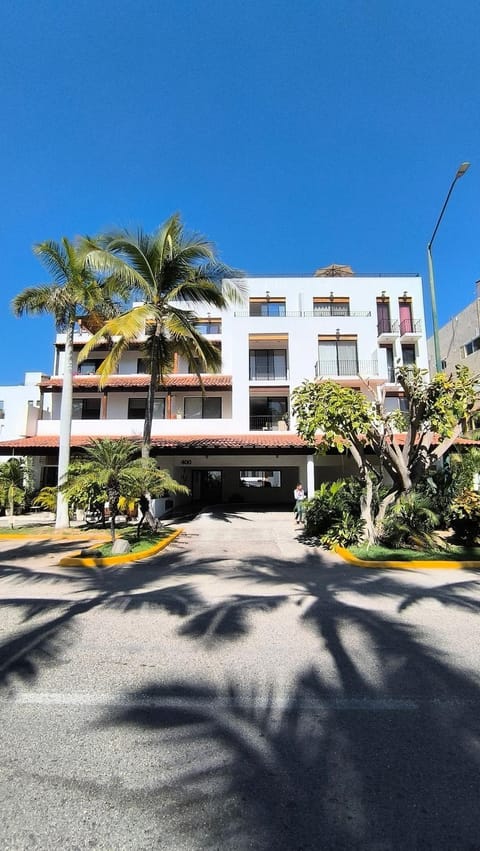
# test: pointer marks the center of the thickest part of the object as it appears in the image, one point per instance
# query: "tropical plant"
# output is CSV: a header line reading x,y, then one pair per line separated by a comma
x,y
114,468
73,293
382,442
323,508
464,517
12,489
345,531
333,513
169,272
46,499
444,484
410,522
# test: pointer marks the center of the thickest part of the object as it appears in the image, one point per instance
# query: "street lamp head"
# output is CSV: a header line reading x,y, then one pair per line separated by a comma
x,y
462,168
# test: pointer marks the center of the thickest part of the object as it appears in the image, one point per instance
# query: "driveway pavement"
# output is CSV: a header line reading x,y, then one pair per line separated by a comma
x,y
239,691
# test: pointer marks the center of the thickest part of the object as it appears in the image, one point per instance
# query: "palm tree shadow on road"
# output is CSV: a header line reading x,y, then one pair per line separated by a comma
x,y
383,755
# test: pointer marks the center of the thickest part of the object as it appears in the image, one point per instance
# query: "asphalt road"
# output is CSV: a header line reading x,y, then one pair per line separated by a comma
x,y
239,691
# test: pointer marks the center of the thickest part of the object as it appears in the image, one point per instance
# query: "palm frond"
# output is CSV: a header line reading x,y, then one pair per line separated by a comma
x,y
53,256
129,326
106,263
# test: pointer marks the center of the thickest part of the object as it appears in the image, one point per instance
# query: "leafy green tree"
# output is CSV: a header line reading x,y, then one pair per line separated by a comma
x,y
169,272
404,447
12,486
114,467
73,294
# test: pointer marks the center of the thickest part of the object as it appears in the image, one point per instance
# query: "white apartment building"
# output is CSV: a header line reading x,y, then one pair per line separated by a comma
x,y
20,407
236,440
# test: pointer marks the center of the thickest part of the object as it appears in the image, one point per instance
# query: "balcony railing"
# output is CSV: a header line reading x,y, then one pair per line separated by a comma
x,y
386,326
268,422
303,314
410,326
341,368
268,375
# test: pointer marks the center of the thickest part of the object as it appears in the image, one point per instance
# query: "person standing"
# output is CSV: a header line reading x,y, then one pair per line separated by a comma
x,y
299,497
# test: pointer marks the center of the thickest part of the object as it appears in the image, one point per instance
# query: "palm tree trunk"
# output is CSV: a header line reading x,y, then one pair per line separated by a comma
x,y
62,519
147,426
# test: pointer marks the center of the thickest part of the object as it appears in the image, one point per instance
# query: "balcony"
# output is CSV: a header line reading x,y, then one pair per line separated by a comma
x,y
410,330
268,422
387,331
346,368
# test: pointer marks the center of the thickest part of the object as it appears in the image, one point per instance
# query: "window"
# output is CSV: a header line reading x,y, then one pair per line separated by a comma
x,y
267,307
86,409
266,412
137,408
203,408
260,479
267,364
472,346
337,356
395,403
88,367
49,477
331,306
142,366
208,326
408,355
2,409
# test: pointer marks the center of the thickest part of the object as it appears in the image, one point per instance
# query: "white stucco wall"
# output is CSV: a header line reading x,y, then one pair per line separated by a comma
x,y
20,407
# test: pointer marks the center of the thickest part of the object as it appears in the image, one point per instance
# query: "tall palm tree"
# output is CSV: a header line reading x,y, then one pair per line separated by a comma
x,y
169,271
113,466
74,292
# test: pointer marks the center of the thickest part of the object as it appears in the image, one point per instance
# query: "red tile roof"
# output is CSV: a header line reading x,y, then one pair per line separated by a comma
x,y
138,382
269,440
230,442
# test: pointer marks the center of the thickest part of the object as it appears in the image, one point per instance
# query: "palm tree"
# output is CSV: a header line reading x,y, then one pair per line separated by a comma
x,y
73,293
168,271
12,483
114,467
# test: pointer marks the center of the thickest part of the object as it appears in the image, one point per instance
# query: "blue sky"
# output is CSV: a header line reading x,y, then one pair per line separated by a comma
x,y
293,135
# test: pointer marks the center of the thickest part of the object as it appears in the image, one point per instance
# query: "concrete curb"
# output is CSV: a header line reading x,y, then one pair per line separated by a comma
x,y
77,561
406,565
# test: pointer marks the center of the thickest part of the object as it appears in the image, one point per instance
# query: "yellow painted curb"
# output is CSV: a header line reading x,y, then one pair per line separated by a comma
x,y
52,536
78,561
405,565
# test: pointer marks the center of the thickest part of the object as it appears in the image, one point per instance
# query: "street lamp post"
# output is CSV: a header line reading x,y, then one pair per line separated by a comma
x,y
463,167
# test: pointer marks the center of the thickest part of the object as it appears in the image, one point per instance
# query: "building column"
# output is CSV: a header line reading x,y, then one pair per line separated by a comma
x,y
103,406
310,476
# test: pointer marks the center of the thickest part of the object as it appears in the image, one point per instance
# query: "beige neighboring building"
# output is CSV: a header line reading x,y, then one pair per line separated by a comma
x,y
459,340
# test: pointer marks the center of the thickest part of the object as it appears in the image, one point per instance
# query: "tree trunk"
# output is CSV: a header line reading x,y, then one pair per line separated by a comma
x,y
385,503
62,520
147,426
366,511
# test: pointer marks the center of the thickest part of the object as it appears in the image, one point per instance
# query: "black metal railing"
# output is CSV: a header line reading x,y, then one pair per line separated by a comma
x,y
386,326
268,422
410,326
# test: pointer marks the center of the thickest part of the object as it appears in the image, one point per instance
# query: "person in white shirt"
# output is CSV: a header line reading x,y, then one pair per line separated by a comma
x,y
299,497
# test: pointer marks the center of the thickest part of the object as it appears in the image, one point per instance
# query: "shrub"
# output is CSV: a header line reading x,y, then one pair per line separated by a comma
x,y
46,499
333,514
410,522
344,532
464,516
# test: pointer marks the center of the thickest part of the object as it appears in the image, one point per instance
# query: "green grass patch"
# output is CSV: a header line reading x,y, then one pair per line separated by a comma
x,y
147,540
451,553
